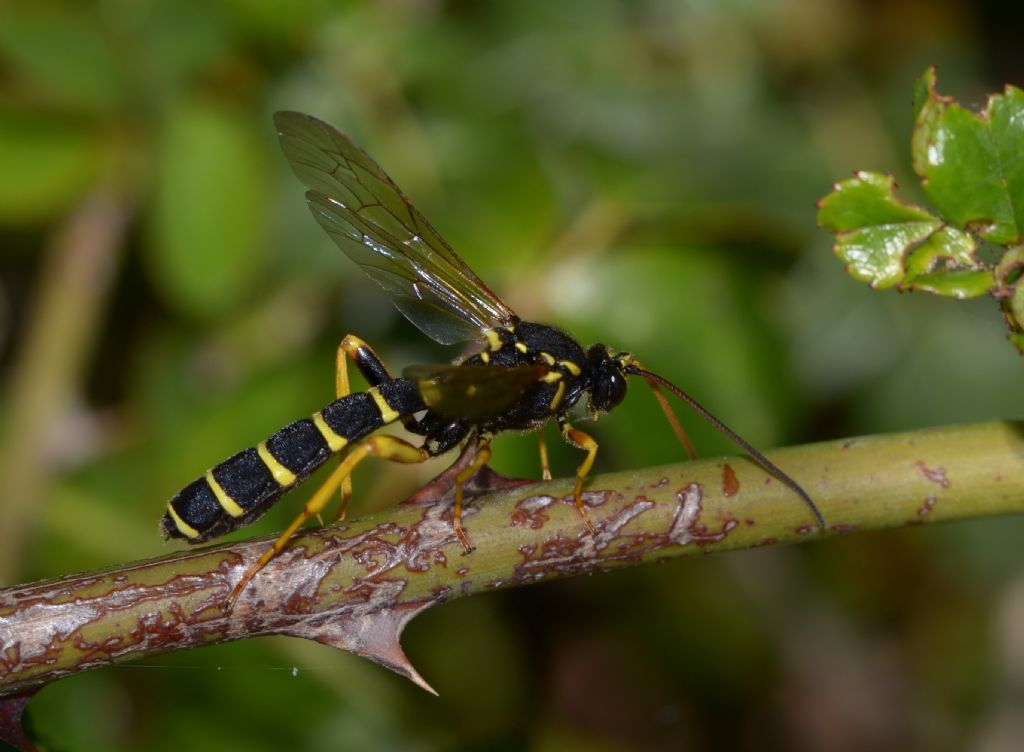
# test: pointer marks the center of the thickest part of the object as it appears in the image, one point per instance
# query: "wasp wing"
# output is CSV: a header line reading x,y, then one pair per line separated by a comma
x,y
474,392
376,225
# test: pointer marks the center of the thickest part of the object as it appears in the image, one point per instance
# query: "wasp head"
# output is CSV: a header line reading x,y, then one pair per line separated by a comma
x,y
607,377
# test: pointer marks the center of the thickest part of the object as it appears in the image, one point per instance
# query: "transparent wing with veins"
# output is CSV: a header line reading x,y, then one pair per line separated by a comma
x,y
376,225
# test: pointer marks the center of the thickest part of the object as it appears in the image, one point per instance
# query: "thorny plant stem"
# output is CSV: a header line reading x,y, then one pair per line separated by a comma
x,y
357,584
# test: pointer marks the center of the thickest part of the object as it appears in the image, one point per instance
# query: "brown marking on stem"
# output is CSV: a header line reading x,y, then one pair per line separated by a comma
x,y
615,541
926,506
591,499
388,547
843,528
531,512
730,483
935,475
583,551
686,519
526,549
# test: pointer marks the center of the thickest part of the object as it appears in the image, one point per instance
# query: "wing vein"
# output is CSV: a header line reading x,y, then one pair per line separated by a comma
x,y
368,216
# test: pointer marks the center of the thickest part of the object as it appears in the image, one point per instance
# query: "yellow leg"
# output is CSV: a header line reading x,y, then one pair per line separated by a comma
x,y
341,385
343,389
483,456
350,349
585,442
385,447
545,466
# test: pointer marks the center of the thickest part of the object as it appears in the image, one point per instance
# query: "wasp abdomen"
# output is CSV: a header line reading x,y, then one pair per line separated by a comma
x,y
244,486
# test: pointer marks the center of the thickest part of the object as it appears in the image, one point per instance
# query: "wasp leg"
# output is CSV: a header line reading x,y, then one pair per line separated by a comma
x,y
386,447
585,442
545,465
372,368
483,456
366,360
374,371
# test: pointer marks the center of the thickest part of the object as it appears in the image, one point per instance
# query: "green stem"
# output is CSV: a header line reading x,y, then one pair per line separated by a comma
x,y
356,585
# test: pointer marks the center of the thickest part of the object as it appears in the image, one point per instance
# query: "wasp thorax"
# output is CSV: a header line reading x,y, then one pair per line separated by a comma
x,y
607,380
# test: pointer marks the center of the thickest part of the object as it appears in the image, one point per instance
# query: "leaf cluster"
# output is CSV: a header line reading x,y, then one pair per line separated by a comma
x,y
971,168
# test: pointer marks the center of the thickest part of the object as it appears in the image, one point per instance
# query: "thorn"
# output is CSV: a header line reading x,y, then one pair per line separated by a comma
x,y
414,676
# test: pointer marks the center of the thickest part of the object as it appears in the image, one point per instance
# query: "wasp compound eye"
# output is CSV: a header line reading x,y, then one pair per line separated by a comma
x,y
608,390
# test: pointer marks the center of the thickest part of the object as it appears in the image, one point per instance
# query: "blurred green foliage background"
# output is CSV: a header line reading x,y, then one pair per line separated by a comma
x,y
641,173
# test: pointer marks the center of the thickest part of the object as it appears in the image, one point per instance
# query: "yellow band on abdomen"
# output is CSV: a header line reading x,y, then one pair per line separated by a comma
x,y
228,504
183,527
334,442
387,413
282,474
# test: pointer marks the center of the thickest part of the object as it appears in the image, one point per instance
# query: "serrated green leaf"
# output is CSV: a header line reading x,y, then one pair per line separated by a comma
x,y
1006,118
955,284
945,264
867,199
211,201
873,228
954,247
972,165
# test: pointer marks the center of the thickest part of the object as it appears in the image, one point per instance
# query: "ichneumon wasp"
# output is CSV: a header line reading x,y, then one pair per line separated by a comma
x,y
523,375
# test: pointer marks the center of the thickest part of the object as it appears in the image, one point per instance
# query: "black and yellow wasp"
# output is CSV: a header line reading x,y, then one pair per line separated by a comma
x,y
523,375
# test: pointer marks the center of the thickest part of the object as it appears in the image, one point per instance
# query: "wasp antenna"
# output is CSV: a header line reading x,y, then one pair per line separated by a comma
x,y
654,381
